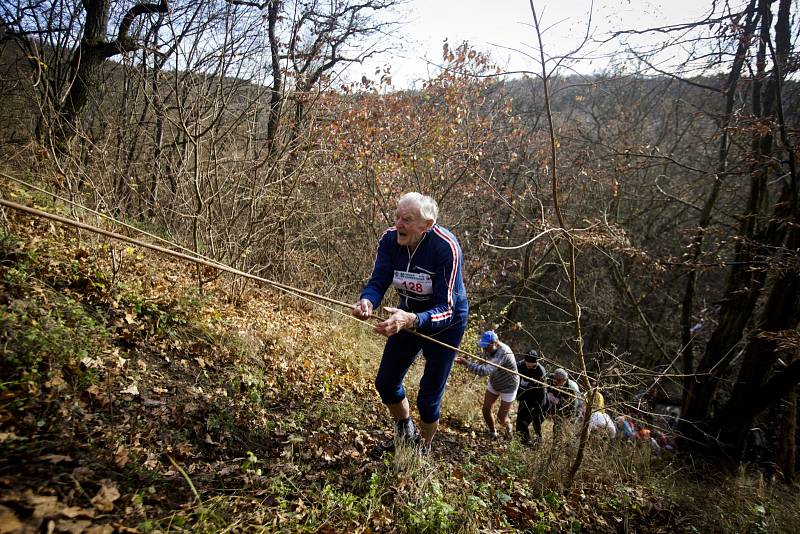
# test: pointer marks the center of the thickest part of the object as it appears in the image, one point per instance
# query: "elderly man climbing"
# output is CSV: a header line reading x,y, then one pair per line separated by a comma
x,y
423,262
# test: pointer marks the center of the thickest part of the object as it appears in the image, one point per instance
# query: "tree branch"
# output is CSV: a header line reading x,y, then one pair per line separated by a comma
x,y
137,11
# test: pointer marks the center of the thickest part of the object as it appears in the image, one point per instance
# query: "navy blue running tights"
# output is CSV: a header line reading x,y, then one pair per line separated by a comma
x,y
400,352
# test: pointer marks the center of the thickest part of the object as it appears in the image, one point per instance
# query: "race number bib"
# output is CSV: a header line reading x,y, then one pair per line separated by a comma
x,y
417,283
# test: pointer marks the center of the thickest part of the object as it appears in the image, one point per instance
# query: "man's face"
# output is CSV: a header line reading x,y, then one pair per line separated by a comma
x,y
559,380
489,349
530,364
410,225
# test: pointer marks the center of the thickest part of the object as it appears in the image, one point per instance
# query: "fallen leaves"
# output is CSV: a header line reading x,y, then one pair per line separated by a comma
x,y
289,388
54,458
121,456
132,389
105,497
44,513
74,512
8,520
92,363
100,396
8,437
43,505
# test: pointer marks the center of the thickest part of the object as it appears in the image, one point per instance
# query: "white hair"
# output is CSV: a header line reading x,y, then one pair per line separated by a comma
x,y
428,209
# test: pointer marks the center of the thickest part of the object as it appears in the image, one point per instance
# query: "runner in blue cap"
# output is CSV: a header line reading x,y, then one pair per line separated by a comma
x,y
502,384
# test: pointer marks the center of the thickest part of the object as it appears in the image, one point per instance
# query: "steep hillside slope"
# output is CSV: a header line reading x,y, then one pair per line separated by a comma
x,y
134,401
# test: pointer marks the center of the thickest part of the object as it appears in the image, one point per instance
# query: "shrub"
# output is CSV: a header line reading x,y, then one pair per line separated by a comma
x,y
36,339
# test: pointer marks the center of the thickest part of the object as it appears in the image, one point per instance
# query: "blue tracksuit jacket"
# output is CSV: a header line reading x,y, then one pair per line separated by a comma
x,y
428,279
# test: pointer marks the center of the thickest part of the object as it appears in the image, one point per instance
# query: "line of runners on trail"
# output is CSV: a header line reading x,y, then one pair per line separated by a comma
x,y
541,395
423,262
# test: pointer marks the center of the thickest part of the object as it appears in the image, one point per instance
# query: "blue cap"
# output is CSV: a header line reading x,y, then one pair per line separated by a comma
x,y
487,337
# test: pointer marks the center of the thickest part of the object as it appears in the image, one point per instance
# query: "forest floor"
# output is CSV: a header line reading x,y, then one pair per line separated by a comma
x,y
132,400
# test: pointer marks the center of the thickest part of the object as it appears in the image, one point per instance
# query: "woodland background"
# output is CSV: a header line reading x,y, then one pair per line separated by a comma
x,y
640,225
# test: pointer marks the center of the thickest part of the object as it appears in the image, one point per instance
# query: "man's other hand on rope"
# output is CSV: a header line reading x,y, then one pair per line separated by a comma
x,y
399,320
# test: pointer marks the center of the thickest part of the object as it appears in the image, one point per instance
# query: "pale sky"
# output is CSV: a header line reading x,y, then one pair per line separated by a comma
x,y
504,28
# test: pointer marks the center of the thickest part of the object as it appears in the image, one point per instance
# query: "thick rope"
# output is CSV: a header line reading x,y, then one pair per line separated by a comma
x,y
222,267
106,216
199,258
202,260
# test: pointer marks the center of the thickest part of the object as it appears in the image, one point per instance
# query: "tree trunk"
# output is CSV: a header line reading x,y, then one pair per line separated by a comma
x,y
277,78
87,61
787,432
781,313
85,68
687,348
745,283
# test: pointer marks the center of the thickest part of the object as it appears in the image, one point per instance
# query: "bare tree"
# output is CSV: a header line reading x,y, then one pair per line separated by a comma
x,y
308,40
760,298
82,31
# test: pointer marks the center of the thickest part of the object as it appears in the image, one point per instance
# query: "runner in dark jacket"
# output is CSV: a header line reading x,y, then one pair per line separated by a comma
x,y
531,396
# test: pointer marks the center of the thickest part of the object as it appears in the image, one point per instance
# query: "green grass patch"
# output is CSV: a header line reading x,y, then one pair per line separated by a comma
x,y
37,340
